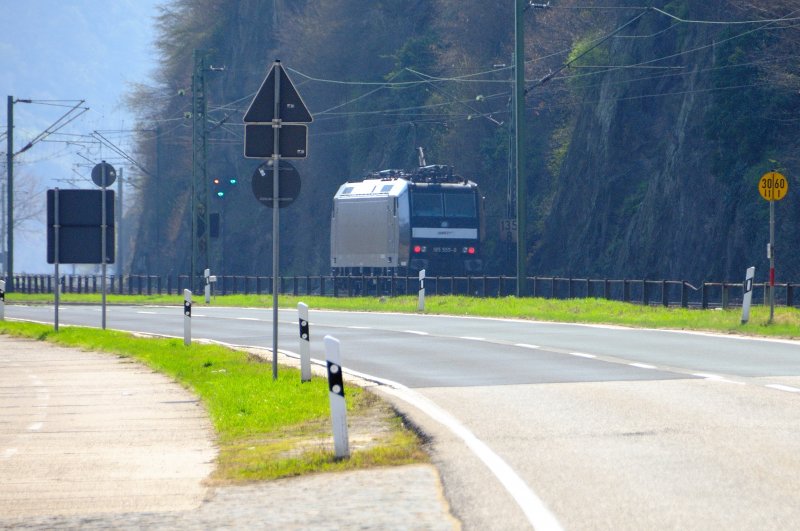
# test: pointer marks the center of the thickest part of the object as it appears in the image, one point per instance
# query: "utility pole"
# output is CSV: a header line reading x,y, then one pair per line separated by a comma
x,y
200,222
519,143
10,195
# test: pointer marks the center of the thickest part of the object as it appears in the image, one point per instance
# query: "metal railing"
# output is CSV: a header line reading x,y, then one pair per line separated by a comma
x,y
669,293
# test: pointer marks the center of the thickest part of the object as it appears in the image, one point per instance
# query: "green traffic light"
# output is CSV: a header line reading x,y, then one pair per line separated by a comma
x,y
220,194
234,181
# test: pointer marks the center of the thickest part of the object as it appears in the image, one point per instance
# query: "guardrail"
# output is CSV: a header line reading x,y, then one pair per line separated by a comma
x,y
671,293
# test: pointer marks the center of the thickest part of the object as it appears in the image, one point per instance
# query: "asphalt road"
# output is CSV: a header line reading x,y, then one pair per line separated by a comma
x,y
544,424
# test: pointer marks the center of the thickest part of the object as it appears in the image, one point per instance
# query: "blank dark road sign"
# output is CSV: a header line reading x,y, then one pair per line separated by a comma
x,y
259,141
80,214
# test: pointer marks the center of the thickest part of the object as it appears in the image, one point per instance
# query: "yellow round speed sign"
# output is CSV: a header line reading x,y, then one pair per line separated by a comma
x,y
773,186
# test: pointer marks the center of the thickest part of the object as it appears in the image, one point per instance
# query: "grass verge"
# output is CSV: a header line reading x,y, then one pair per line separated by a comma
x,y
265,429
786,323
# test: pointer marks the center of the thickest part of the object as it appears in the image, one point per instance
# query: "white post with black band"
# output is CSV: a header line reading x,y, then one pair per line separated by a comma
x,y
421,303
305,342
747,291
336,394
187,317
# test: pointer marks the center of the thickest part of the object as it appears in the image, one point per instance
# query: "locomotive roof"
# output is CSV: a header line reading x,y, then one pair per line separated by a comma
x,y
393,182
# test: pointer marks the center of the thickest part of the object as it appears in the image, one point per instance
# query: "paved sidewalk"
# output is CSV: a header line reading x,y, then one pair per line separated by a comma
x,y
91,441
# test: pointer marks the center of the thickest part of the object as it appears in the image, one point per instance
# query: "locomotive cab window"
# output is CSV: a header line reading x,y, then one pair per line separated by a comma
x,y
428,205
459,205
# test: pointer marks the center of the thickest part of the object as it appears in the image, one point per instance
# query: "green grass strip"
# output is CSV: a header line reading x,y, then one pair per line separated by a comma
x,y
265,428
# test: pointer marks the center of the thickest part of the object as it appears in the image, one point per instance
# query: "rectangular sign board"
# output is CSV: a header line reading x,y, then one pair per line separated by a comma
x,y
80,217
259,141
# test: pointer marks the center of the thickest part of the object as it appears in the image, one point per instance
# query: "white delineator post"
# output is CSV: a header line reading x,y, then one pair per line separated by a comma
x,y
747,294
421,303
207,288
305,343
336,394
187,317
2,300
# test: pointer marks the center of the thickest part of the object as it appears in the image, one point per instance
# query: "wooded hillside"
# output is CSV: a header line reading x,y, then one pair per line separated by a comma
x,y
643,155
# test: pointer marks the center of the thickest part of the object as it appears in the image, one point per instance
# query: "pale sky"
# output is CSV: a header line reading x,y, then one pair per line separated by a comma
x,y
90,50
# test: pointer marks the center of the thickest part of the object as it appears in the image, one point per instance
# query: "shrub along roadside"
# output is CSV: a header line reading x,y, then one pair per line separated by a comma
x,y
265,429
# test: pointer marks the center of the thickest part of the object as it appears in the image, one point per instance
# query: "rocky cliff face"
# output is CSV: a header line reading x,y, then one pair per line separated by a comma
x,y
641,193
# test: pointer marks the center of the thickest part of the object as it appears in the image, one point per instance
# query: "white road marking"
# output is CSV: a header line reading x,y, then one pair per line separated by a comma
x,y
36,426
525,345
417,332
717,378
780,387
147,313
642,365
471,338
353,327
534,508
582,355
9,452
247,319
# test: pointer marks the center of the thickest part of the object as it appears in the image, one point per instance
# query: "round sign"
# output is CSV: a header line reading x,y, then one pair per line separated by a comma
x,y
773,186
110,173
288,183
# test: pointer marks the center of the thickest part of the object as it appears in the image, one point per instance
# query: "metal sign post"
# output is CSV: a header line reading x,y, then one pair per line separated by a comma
x,y
277,104
773,187
276,158
56,230
103,175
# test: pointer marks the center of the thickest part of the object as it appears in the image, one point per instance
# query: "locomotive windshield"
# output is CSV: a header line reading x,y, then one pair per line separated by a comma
x,y
438,204
428,204
459,205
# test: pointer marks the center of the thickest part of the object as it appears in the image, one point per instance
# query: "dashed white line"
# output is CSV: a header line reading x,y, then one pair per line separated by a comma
x,y
9,452
582,355
780,387
36,426
147,313
717,378
248,319
417,332
471,338
526,345
642,365
353,327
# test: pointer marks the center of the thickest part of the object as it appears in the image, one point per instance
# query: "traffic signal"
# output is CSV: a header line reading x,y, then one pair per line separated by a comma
x,y
217,190
234,180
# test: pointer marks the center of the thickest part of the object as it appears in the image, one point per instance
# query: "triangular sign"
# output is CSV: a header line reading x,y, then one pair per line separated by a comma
x,y
292,107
